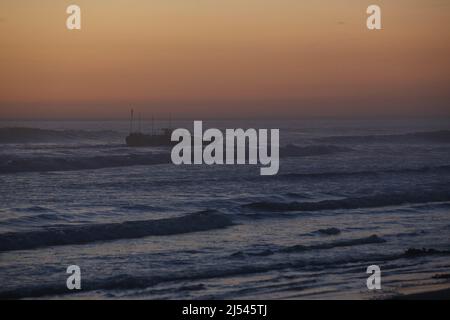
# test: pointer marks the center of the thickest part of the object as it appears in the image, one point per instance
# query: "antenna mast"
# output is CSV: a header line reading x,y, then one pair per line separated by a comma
x,y
131,121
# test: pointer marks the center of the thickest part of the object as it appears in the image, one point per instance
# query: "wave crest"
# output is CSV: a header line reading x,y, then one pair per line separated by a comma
x,y
381,200
30,135
70,235
46,164
374,239
439,136
292,150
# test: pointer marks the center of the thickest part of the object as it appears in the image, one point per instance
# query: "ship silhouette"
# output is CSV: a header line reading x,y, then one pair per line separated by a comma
x,y
139,139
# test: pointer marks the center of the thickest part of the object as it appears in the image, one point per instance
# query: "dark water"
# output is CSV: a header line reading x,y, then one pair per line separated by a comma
x,y
349,194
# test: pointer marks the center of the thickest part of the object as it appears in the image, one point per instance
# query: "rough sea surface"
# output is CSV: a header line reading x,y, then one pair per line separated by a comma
x,y
349,194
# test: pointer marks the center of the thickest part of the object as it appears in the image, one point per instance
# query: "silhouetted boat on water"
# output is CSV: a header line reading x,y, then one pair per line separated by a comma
x,y
139,139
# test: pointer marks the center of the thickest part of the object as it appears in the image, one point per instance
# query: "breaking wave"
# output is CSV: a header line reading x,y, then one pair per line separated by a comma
x,y
335,244
34,135
82,234
328,231
362,173
141,207
440,136
128,282
381,200
45,164
292,150
374,239
416,253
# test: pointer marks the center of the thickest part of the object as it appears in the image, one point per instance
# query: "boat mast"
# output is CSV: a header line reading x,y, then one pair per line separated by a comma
x,y
131,121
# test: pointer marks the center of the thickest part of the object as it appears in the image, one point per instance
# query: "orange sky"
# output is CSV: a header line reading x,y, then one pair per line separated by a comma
x,y
223,58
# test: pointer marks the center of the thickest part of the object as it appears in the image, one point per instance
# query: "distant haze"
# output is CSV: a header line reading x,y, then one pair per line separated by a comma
x,y
224,58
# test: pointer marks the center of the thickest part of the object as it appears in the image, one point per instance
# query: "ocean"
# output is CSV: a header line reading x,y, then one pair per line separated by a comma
x,y
349,194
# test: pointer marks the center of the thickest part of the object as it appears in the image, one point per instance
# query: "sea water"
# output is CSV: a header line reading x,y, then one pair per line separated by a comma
x,y
348,194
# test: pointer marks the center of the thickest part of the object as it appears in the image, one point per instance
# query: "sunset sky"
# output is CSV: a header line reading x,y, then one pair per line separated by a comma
x,y
223,58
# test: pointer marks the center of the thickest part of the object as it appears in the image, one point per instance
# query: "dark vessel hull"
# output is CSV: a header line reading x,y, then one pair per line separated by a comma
x,y
145,140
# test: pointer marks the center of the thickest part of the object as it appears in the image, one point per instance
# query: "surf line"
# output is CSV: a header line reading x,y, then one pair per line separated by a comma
x,y
209,147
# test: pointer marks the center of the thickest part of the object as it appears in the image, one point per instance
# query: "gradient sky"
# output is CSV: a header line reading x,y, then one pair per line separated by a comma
x,y
224,58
